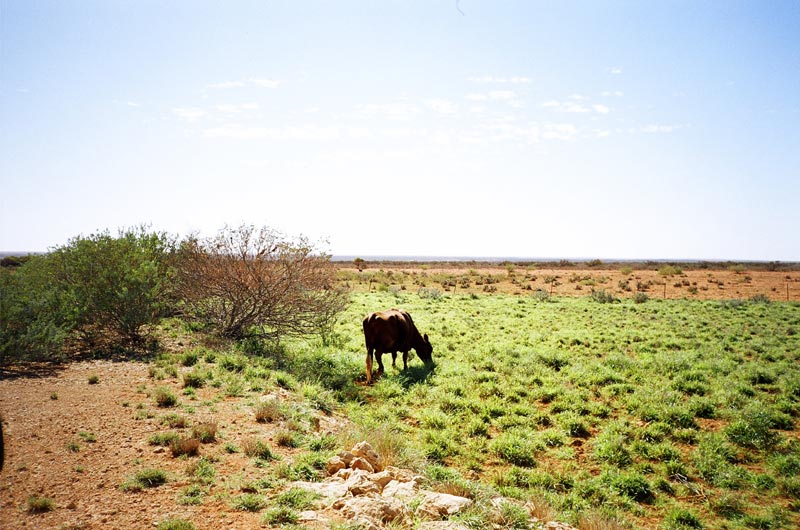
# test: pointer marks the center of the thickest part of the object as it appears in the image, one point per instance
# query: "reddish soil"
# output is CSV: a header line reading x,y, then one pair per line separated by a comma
x,y
84,485
693,284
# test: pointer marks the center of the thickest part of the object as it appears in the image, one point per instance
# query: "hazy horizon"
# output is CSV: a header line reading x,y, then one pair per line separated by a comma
x,y
641,130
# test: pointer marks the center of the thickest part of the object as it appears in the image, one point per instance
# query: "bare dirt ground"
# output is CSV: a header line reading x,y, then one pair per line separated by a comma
x,y
736,282
45,413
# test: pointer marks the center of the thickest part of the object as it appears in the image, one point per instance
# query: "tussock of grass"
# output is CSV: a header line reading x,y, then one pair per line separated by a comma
x,y
185,446
206,432
175,524
37,504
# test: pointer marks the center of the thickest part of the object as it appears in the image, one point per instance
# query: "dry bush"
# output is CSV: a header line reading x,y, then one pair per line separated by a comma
x,y
256,282
541,509
598,521
268,411
205,432
185,446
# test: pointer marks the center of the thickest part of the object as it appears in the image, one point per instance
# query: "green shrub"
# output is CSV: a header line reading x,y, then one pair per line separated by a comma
x,y
728,505
603,297
194,379
189,358
669,270
631,485
249,502
680,519
164,397
280,515
163,438
35,317
146,478
296,498
192,495
753,429
517,449
202,470
612,449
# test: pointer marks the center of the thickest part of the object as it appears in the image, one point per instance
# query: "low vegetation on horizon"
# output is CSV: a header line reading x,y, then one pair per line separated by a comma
x,y
603,411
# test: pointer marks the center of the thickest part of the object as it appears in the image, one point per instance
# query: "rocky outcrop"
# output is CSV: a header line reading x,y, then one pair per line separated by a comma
x,y
361,489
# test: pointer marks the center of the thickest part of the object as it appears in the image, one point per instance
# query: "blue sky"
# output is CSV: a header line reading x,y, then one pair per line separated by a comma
x,y
534,129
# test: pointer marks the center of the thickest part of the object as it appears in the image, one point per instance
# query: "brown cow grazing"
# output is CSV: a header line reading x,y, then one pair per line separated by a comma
x,y
390,332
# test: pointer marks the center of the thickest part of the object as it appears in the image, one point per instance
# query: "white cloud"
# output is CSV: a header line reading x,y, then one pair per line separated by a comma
x,y
491,79
265,83
502,94
392,111
560,131
442,106
190,114
614,70
565,106
574,106
496,95
304,132
235,109
653,129
227,84
614,93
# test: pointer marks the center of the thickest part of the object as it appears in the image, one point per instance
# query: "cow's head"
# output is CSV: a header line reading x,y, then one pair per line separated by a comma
x,y
425,350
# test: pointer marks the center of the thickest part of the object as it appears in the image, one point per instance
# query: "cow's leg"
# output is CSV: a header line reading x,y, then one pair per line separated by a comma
x,y
394,359
405,360
379,357
369,366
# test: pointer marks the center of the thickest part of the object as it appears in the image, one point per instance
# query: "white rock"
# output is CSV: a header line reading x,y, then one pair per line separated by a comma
x,y
360,484
400,490
438,505
375,509
382,478
329,490
441,525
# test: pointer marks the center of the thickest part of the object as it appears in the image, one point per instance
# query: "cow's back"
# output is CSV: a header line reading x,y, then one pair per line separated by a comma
x,y
386,331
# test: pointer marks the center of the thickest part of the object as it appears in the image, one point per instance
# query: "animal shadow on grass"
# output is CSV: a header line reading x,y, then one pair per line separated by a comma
x,y
416,374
